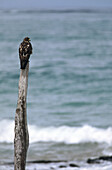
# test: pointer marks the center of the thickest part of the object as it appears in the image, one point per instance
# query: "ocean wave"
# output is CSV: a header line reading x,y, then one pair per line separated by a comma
x,y
63,134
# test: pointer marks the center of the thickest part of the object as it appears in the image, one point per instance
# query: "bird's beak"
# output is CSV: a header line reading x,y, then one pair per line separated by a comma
x,y
29,39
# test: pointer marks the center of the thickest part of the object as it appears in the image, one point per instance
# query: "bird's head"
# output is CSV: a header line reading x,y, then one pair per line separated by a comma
x,y
27,39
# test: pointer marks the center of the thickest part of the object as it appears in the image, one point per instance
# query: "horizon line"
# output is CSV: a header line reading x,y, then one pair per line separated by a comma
x,y
66,10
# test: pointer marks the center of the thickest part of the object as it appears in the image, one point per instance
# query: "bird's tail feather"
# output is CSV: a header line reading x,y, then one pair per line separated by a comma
x,y
23,64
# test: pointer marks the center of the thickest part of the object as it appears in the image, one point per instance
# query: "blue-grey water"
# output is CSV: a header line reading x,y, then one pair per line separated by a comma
x,y
70,85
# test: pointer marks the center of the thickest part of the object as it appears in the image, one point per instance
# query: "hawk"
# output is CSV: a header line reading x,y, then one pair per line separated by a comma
x,y
25,50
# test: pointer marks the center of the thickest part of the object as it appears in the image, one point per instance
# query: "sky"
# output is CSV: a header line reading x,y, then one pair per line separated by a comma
x,y
55,4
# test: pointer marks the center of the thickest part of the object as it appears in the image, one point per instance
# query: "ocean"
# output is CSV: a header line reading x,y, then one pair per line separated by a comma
x,y
69,102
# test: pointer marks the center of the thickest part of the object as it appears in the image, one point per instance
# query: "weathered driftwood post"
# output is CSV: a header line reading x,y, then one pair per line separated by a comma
x,y
21,140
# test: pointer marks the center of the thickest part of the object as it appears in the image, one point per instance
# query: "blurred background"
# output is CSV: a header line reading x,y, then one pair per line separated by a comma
x,y
70,79
56,4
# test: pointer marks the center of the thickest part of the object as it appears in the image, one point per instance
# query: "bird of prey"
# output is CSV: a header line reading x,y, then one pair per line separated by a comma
x,y
25,50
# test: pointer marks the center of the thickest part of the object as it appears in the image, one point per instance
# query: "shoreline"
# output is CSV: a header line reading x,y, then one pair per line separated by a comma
x,y
64,163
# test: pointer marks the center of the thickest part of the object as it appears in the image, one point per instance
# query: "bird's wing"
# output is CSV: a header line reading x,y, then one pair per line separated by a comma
x,y
29,48
21,49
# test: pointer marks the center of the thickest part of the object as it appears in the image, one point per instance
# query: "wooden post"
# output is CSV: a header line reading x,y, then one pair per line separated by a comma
x,y
21,140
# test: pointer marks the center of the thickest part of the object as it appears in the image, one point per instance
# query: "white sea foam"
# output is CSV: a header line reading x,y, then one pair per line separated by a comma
x,y
107,166
68,135
6,131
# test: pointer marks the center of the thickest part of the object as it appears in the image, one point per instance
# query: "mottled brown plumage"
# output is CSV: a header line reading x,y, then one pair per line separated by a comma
x,y
25,50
